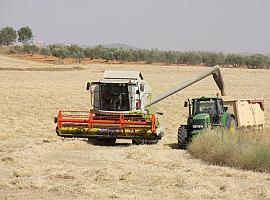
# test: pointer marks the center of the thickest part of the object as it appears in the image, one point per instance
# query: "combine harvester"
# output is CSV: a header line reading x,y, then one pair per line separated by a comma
x,y
122,109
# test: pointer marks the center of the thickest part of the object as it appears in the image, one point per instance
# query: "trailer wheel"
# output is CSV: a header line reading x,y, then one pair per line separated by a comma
x,y
182,137
231,124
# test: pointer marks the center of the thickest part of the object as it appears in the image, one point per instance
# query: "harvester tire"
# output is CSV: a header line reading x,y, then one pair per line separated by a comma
x,y
231,124
182,137
109,141
143,141
151,141
137,141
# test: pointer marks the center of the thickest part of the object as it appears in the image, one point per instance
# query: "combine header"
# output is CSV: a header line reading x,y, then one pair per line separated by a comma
x,y
90,124
122,109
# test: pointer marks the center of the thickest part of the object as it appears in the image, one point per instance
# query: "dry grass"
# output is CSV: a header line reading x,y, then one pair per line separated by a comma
x,y
245,149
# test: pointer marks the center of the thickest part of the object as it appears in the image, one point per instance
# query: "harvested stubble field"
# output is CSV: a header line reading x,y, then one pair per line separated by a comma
x,y
36,164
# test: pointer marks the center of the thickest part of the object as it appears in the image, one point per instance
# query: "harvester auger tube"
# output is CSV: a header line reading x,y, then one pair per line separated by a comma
x,y
215,71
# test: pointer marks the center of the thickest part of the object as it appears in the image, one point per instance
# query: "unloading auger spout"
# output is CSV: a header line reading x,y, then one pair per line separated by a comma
x,y
215,71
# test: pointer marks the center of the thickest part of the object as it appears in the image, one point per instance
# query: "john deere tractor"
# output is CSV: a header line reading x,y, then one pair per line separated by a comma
x,y
204,114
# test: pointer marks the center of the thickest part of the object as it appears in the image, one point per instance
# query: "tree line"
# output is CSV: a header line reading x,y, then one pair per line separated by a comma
x,y
8,36
147,56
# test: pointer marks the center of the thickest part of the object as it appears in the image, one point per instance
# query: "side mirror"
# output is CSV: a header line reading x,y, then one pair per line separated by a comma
x,y
88,85
186,104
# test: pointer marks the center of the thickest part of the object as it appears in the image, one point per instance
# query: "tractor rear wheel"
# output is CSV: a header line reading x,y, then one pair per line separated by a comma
x,y
182,137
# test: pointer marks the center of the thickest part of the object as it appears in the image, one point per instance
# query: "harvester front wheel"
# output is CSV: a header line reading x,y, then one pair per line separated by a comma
x,y
182,137
109,141
151,141
137,141
143,141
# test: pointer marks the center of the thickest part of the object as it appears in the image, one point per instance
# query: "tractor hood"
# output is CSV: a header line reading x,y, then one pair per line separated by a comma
x,y
200,122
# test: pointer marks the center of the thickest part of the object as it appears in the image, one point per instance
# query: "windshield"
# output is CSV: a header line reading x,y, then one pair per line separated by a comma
x,y
204,107
114,97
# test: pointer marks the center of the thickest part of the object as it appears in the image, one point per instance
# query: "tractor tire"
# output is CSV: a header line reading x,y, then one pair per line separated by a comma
x,y
231,124
182,137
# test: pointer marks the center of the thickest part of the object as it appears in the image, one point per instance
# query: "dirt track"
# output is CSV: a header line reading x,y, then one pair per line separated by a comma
x,y
36,164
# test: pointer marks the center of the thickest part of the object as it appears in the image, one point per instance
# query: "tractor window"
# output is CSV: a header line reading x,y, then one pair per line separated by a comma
x,y
204,107
114,97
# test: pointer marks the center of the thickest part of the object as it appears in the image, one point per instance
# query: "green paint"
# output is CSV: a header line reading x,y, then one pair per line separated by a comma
x,y
224,118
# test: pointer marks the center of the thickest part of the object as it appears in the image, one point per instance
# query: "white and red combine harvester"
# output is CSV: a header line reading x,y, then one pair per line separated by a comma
x,y
118,111
122,108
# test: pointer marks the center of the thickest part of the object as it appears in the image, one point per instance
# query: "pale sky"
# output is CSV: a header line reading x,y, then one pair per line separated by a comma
x,y
219,25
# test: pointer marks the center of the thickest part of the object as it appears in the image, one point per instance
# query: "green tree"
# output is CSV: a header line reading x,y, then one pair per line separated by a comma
x,y
234,59
25,34
256,61
89,53
30,49
61,52
46,51
76,52
7,36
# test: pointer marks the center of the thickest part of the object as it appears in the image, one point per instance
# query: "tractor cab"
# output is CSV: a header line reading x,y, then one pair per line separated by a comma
x,y
205,112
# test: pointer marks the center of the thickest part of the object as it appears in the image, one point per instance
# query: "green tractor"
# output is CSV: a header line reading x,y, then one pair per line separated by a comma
x,y
204,113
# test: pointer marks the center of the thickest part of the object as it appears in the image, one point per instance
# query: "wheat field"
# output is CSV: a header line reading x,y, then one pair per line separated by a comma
x,y
36,164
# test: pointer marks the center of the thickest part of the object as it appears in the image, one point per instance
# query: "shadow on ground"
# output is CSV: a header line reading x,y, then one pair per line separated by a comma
x,y
173,145
97,142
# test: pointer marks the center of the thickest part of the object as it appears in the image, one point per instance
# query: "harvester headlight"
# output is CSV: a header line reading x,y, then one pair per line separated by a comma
x,y
197,126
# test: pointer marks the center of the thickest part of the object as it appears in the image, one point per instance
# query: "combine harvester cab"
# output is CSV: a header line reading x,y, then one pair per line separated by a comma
x,y
118,111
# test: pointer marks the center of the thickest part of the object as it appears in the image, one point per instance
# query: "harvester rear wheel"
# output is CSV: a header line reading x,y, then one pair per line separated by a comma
x,y
182,137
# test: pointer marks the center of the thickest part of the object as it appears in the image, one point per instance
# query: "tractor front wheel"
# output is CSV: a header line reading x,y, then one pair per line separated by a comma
x,y
182,137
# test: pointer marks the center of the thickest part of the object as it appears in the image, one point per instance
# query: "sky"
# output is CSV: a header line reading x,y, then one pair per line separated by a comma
x,y
210,25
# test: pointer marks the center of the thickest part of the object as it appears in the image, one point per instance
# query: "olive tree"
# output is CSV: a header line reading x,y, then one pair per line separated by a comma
x,y
25,34
7,36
